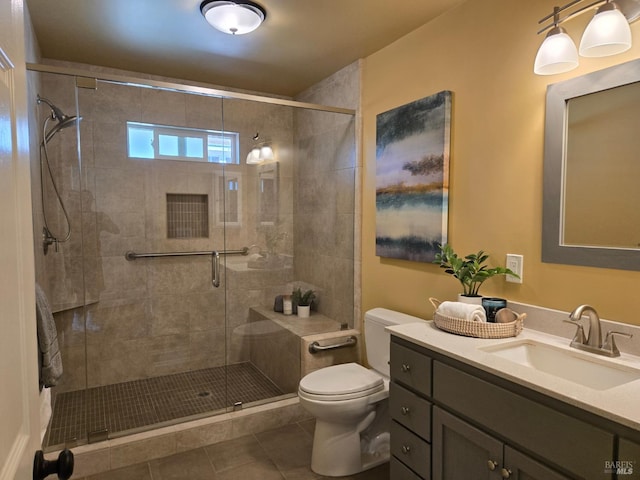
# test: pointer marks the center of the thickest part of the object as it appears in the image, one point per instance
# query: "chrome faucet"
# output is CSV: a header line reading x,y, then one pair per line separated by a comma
x,y
593,342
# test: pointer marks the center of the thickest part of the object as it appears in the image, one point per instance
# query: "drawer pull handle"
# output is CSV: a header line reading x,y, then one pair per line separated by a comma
x,y
406,368
506,473
406,449
405,410
492,465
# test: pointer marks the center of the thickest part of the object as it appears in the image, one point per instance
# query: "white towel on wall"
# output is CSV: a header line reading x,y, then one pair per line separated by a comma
x,y
463,310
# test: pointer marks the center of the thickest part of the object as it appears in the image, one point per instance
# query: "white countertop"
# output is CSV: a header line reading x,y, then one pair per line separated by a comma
x,y
620,403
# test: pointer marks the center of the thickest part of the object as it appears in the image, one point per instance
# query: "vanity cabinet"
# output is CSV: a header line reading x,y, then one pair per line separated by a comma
x,y
462,451
453,421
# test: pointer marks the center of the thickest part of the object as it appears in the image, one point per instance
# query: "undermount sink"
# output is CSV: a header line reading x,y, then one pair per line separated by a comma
x,y
578,367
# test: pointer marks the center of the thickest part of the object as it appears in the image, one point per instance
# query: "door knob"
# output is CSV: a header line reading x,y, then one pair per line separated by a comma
x,y
63,466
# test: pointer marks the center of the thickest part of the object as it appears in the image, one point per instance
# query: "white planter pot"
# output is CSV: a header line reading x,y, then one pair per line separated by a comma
x,y
304,311
464,299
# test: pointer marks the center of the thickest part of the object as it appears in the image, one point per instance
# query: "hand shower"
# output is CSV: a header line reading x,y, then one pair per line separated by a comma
x,y
63,121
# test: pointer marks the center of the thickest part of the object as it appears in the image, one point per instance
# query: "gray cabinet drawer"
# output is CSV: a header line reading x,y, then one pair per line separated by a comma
x,y
411,450
410,410
411,368
568,442
399,471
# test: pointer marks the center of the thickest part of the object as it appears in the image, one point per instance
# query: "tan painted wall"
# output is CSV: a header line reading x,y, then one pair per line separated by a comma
x,y
483,51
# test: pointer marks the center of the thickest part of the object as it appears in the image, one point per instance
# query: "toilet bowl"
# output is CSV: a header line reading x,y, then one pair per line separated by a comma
x,y
346,400
350,404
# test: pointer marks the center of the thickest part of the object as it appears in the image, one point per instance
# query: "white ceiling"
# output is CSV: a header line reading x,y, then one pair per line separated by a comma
x,y
300,42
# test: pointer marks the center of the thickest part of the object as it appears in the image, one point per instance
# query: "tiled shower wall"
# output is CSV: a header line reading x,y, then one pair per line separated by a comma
x,y
159,316
326,237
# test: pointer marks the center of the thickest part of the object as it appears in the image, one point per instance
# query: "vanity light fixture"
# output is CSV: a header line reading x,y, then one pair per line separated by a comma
x,y
254,157
233,17
608,33
260,153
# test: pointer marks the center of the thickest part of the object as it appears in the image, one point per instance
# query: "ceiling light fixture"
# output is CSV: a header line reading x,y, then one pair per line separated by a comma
x,y
233,17
608,33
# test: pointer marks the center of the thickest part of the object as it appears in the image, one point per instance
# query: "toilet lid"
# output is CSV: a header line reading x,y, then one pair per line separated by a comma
x,y
345,379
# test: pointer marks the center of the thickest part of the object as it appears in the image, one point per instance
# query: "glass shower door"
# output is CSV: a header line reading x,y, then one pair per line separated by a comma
x,y
155,324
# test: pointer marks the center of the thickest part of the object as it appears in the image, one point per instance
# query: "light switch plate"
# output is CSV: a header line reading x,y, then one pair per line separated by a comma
x,y
515,264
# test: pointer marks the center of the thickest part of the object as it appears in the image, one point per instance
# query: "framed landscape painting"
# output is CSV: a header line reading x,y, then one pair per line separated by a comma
x,y
412,178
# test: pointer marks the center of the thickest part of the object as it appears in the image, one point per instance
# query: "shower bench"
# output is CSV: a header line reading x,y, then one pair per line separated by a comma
x,y
279,345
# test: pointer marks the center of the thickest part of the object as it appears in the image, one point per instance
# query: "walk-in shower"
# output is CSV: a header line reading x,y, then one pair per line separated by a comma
x,y
164,207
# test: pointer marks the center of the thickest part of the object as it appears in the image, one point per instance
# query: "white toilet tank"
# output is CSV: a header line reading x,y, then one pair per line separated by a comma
x,y
377,340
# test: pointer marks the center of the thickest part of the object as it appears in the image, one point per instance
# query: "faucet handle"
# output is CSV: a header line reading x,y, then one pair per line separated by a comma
x,y
610,343
579,337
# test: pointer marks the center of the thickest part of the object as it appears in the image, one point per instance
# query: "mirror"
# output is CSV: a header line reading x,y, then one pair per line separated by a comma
x,y
268,193
591,170
229,199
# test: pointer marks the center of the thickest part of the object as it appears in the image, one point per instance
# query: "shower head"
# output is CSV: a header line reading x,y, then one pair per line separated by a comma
x,y
63,120
64,123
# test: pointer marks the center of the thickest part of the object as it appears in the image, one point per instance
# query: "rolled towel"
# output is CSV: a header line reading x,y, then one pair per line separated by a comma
x,y
466,311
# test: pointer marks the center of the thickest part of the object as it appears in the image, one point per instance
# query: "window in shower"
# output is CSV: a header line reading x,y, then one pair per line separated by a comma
x,y
163,142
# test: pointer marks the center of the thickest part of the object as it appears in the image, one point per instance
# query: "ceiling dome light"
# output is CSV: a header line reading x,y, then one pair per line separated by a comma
x,y
557,54
608,33
233,17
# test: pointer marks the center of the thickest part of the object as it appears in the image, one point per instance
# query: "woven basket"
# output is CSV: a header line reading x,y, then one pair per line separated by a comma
x,y
469,328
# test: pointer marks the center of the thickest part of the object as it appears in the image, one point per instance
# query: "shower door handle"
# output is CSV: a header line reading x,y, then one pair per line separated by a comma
x,y
215,268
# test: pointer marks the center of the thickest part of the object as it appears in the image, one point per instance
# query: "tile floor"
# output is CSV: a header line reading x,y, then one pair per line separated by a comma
x,y
131,405
280,454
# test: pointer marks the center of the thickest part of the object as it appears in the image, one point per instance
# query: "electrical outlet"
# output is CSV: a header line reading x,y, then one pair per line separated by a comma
x,y
515,264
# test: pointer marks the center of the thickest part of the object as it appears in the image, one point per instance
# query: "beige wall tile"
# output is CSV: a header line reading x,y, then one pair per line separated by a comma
x,y
143,450
208,434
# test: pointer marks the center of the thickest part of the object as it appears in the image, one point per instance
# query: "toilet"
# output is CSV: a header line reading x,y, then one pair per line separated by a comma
x,y
350,404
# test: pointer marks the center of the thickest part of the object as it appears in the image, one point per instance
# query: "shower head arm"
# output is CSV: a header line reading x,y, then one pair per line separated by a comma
x,y
56,113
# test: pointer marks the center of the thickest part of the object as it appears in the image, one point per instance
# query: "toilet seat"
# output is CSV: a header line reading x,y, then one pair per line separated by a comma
x,y
340,382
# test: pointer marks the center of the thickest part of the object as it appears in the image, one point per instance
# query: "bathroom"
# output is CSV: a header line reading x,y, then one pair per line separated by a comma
x,y
491,79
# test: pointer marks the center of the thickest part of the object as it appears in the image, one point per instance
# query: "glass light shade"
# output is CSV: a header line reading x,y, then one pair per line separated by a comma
x,y
254,157
557,54
608,33
266,153
233,18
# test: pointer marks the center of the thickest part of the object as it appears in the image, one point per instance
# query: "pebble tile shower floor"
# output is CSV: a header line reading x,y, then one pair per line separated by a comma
x,y
131,405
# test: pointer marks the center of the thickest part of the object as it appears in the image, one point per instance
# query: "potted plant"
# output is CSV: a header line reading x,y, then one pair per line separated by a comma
x,y
303,301
470,270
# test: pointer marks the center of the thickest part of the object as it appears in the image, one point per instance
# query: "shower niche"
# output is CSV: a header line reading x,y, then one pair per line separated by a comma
x,y
163,170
